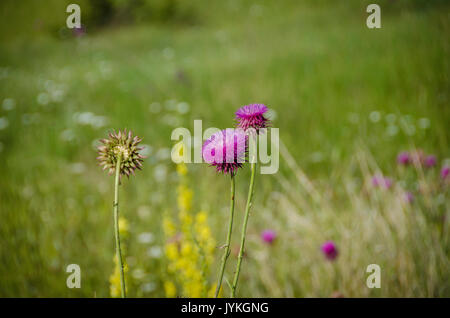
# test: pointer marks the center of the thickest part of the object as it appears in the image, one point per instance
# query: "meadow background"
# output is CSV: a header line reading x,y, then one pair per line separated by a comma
x,y
347,100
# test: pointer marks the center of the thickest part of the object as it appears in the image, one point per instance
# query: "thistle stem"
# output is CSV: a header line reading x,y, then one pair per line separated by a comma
x,y
227,246
244,229
116,227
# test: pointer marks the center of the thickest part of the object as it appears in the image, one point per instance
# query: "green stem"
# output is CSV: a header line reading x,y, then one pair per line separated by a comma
x,y
227,246
116,227
244,229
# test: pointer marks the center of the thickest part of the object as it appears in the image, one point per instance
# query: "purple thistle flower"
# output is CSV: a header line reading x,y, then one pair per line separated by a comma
x,y
79,31
409,197
380,181
445,172
252,116
226,150
268,236
404,158
124,144
430,161
330,250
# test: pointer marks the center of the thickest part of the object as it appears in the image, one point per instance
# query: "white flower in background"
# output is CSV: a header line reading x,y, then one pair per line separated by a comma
x,y
88,118
77,168
424,123
67,135
138,273
4,123
392,130
170,104
183,107
28,119
154,252
375,116
9,104
160,173
145,238
155,107
143,211
391,118
316,156
171,120
148,287
146,150
163,154
43,99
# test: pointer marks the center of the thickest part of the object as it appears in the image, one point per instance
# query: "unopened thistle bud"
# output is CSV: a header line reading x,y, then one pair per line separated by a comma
x,y
121,144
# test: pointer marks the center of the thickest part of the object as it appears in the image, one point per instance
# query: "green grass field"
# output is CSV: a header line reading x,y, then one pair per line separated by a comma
x,y
347,99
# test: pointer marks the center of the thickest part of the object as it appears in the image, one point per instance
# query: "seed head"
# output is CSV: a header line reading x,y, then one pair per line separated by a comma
x,y
123,144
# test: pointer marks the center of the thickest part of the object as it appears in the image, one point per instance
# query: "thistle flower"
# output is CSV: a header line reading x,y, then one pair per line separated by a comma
x,y
404,158
409,197
445,172
252,116
430,161
380,181
121,144
226,150
268,236
330,250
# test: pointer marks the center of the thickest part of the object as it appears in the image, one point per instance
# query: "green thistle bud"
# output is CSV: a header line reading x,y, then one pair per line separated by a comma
x,y
121,144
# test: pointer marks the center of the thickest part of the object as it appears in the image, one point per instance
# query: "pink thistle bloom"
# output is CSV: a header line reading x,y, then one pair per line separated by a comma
x,y
226,150
445,172
380,181
409,197
430,161
252,116
268,236
404,158
330,250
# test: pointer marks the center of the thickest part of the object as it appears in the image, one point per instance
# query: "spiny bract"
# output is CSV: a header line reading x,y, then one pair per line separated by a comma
x,y
125,145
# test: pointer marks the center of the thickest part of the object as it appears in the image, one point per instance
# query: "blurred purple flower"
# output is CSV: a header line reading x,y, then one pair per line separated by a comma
x,y
409,197
79,31
380,181
252,116
404,158
330,250
445,172
268,236
226,150
430,161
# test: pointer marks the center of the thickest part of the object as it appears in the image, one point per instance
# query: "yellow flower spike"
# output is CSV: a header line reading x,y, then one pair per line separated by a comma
x,y
184,198
169,227
170,289
182,169
124,226
191,256
172,251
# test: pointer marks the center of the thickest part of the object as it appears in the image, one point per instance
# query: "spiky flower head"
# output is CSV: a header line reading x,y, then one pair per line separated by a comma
x,y
329,249
268,236
226,150
404,158
123,144
252,116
